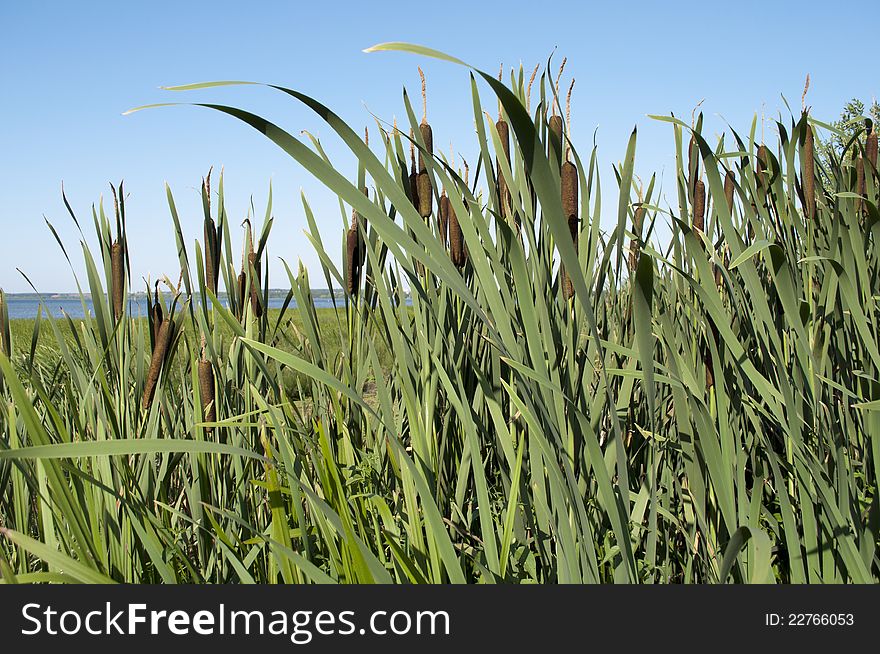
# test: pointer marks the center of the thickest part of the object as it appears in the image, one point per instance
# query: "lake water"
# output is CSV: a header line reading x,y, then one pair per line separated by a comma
x,y
25,305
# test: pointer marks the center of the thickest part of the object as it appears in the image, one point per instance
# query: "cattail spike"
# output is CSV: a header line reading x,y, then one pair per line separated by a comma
x,y
529,89
558,77
117,274
256,304
729,188
163,339
424,96
700,205
871,148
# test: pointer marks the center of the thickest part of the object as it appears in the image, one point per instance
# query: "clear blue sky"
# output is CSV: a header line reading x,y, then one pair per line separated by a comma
x,y
70,69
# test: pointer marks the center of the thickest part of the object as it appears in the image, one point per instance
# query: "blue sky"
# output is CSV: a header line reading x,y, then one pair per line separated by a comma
x,y
69,70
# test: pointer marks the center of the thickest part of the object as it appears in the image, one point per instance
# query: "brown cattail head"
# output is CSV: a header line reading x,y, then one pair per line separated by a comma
x,y
700,205
569,175
761,163
456,239
206,390
871,147
425,194
443,224
156,315
212,256
242,292
117,274
503,193
413,173
635,244
161,348
808,173
729,188
256,304
693,161
428,138
352,259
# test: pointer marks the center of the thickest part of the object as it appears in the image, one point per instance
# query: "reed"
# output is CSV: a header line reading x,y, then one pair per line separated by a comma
x,y
472,426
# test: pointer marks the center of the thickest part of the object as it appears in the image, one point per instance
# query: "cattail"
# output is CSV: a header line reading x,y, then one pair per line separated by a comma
x,y
212,256
206,390
699,205
242,293
413,173
871,147
693,162
761,163
569,176
729,188
5,332
159,351
256,304
456,239
529,89
503,192
443,224
353,258
635,243
117,274
425,192
156,315
212,252
808,173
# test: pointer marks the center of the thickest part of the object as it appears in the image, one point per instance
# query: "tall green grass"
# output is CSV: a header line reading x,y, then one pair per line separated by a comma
x,y
698,408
